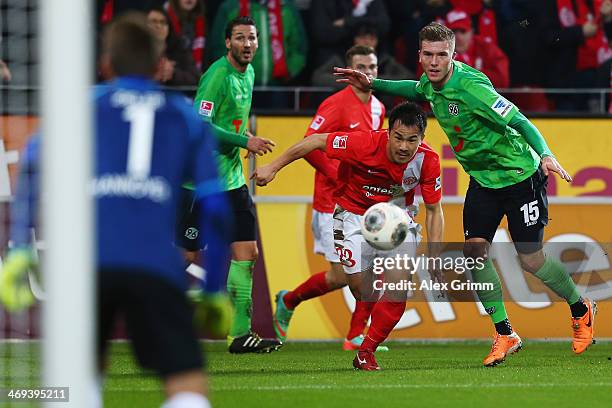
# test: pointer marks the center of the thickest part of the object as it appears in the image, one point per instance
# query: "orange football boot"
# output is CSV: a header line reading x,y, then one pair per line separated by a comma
x,y
583,328
502,346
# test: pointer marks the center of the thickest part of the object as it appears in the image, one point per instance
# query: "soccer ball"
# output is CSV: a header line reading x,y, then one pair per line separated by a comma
x,y
385,226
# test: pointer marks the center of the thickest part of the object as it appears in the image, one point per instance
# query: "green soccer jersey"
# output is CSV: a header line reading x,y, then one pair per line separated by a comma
x,y
224,99
475,118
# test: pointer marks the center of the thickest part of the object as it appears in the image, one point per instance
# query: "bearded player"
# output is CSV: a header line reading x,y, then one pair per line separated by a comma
x,y
224,99
375,166
508,162
348,110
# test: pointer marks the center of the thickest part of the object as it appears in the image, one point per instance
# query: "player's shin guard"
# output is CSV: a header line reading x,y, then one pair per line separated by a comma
x,y
492,300
555,276
239,288
385,316
359,319
313,287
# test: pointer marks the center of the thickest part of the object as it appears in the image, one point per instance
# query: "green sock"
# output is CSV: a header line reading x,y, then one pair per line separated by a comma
x,y
555,276
239,288
492,300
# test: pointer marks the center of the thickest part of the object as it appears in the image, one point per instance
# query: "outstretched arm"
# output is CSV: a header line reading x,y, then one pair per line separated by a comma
x,y
317,160
265,174
353,77
406,88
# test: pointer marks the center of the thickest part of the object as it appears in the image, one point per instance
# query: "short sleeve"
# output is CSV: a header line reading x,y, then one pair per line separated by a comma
x,y
485,102
210,94
325,119
431,182
349,147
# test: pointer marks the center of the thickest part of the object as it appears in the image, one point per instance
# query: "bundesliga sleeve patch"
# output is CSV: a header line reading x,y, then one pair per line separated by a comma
x,y
339,142
438,184
206,108
502,106
317,122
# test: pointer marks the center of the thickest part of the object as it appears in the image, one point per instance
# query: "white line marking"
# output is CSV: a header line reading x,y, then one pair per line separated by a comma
x,y
378,386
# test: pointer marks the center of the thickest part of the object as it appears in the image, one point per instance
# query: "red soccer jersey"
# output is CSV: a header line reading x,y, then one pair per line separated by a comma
x,y
367,176
341,112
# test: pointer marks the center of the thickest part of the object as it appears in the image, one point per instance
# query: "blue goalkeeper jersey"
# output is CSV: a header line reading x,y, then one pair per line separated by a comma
x,y
148,142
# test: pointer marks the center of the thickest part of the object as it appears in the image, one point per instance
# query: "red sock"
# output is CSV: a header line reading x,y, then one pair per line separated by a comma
x,y
385,316
360,317
314,286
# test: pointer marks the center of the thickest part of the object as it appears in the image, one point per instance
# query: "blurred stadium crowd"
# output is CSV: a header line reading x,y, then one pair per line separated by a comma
x,y
519,44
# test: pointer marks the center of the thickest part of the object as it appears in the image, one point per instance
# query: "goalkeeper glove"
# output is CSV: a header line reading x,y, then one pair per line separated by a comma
x,y
15,293
213,311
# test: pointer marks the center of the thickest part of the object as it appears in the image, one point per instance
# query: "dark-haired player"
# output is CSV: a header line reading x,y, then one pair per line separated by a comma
x,y
375,166
348,110
224,99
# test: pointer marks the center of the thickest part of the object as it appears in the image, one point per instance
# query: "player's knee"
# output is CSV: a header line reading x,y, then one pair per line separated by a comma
x,y
529,267
475,249
245,251
190,256
336,282
532,262
355,288
254,254
335,278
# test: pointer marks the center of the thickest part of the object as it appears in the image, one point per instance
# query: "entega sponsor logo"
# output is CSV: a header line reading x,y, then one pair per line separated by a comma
x,y
120,185
394,190
378,190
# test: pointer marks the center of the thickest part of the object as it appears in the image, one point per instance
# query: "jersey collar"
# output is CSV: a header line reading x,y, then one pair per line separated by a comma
x,y
352,91
233,68
135,82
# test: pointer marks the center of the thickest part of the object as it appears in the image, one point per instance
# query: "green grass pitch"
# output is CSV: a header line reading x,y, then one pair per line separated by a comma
x,y
543,374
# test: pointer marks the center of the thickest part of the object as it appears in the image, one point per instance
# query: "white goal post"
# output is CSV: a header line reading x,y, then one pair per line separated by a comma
x,y
66,45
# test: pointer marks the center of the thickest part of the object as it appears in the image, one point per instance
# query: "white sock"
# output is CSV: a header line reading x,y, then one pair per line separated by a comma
x,y
187,400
